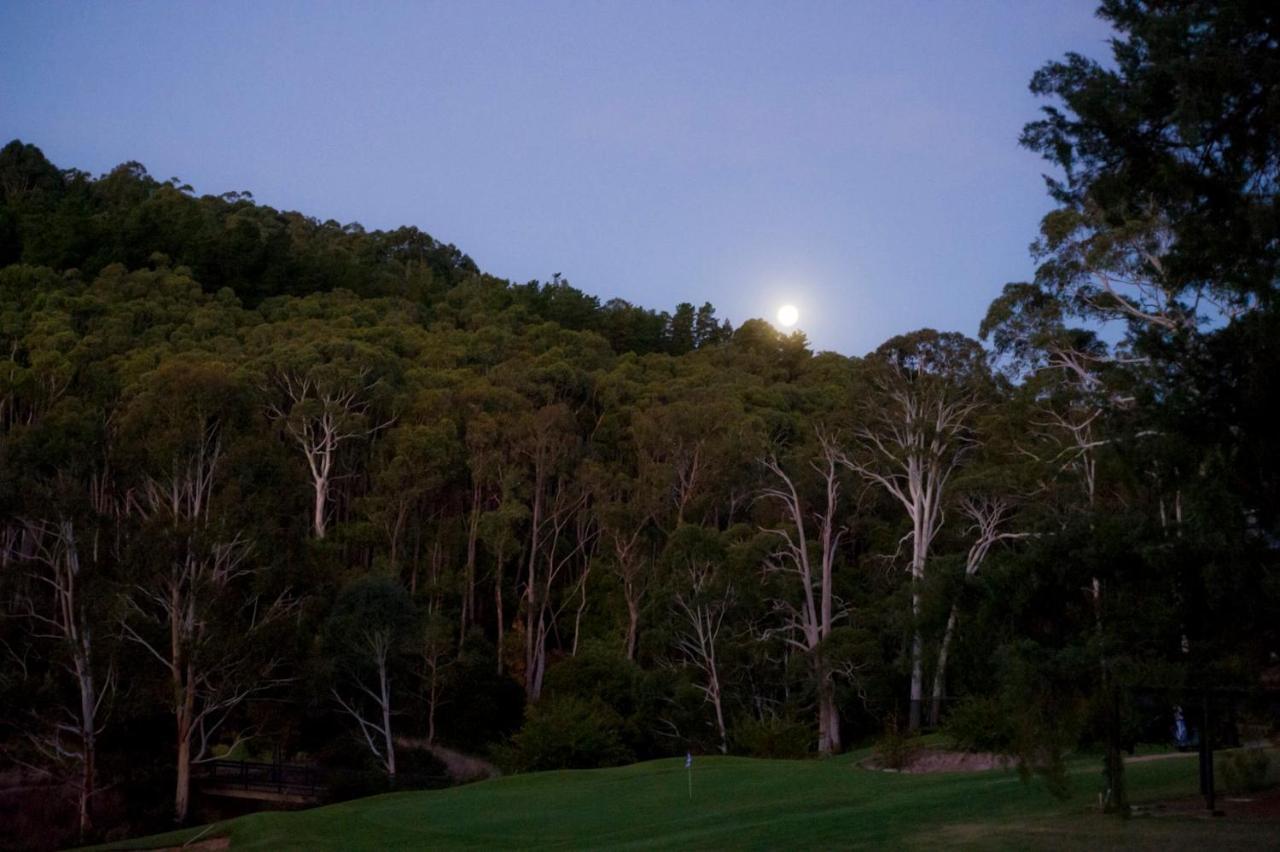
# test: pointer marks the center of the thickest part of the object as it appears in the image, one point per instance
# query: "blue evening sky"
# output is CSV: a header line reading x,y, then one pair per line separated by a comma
x,y
858,159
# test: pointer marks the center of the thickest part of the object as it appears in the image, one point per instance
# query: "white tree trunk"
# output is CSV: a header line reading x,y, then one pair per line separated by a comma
x,y
917,441
814,618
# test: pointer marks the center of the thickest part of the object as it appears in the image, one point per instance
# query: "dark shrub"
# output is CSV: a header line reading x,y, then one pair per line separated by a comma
x,y
774,737
980,724
566,732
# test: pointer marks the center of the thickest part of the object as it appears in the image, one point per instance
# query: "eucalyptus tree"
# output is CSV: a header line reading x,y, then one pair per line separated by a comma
x,y
560,535
370,627
626,505
65,607
196,604
325,383
808,538
917,430
693,443
488,412
990,517
84,351
704,596
420,457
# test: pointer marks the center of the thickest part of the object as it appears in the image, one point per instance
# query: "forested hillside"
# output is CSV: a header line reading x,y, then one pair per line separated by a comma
x,y
285,488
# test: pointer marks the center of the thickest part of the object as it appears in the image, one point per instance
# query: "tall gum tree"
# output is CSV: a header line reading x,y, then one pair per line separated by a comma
x,y
326,383
916,433
704,598
64,609
808,540
198,562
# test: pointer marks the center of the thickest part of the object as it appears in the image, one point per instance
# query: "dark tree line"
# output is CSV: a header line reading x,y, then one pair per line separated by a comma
x,y
276,486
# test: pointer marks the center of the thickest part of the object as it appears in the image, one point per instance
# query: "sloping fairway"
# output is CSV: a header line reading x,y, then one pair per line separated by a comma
x,y
743,804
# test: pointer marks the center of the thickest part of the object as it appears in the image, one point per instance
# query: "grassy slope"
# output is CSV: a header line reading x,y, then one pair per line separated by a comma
x,y
742,803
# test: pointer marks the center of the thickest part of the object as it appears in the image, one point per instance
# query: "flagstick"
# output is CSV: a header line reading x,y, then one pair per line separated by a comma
x,y
691,783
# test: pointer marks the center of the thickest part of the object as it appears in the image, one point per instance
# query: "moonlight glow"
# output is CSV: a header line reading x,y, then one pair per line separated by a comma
x,y
788,316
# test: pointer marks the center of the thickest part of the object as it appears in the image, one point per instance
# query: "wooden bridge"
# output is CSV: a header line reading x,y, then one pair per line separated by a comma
x,y
265,782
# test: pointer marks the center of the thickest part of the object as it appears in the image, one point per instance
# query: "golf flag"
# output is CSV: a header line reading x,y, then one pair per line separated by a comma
x,y
688,765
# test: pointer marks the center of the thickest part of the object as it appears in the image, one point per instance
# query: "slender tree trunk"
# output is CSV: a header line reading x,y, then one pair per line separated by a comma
x,y
432,696
88,742
940,673
184,706
533,600
538,664
713,688
633,625
469,573
531,646
388,742
577,618
321,487
828,713
497,603
920,547
397,533
917,672
182,790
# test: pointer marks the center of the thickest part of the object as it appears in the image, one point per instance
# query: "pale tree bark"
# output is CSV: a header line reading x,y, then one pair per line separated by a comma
x,y
468,609
499,562
1072,434
568,539
813,619
1124,276
209,677
558,510
432,656
69,739
989,515
687,465
915,441
320,420
704,613
629,565
374,725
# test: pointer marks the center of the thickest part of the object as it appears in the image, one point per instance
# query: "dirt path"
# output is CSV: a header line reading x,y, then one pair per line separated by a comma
x,y
462,767
929,760
1147,758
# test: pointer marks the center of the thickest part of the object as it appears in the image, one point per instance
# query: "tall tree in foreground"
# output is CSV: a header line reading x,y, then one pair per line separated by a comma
x,y
990,517
812,564
64,609
198,608
918,431
1171,146
704,598
368,630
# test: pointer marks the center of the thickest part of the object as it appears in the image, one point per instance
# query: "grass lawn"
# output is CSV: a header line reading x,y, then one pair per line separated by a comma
x,y
741,803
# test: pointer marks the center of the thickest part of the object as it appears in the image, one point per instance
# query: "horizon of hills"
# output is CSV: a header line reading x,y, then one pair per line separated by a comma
x,y
67,219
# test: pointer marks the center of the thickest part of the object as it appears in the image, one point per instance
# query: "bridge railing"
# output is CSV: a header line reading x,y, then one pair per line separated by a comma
x,y
268,777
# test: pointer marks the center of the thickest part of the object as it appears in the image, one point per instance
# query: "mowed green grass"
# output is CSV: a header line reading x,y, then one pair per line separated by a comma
x,y
741,803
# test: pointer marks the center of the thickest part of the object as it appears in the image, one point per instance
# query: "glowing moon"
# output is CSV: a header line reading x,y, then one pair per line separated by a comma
x,y
788,316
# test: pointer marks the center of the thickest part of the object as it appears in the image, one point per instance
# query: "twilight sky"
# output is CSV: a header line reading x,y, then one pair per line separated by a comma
x,y
858,159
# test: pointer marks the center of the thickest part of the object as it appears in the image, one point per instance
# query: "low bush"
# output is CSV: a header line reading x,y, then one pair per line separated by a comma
x,y
979,724
896,748
1244,770
774,737
565,732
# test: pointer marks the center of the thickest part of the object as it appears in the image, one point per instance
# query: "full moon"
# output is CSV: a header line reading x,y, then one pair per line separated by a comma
x,y
788,315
